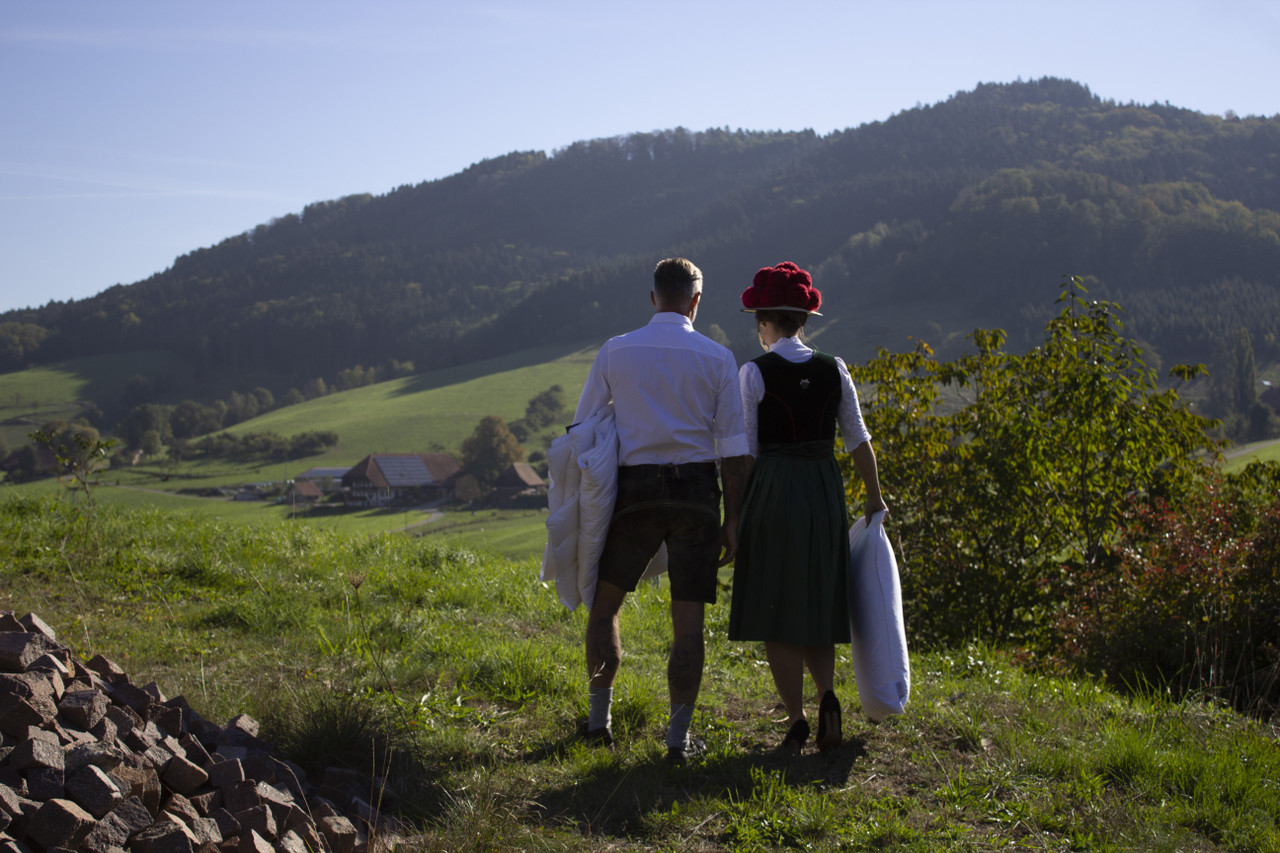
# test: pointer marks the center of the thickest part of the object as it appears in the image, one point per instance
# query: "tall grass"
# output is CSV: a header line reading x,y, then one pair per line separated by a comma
x,y
456,677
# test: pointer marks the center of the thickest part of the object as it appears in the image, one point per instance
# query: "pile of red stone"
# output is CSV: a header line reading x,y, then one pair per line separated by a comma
x,y
90,761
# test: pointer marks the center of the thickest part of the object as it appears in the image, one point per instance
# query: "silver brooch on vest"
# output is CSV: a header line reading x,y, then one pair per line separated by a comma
x,y
804,383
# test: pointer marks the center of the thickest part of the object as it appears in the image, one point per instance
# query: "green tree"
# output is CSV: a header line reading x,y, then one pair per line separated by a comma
x,y
490,450
240,407
78,451
1030,474
1244,373
19,341
190,419
142,419
151,444
545,408
313,388
265,399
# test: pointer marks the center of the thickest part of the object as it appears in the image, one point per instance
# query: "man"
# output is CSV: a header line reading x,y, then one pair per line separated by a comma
x,y
677,408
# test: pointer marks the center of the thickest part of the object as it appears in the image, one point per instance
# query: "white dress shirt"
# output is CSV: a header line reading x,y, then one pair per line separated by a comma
x,y
849,415
674,393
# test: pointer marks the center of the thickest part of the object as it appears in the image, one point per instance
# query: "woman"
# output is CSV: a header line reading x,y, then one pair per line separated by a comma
x,y
791,572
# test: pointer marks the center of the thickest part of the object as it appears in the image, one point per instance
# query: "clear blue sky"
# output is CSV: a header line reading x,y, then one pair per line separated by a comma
x,y
134,132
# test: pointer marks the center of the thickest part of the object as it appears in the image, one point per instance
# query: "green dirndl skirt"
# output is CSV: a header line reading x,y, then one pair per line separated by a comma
x,y
791,574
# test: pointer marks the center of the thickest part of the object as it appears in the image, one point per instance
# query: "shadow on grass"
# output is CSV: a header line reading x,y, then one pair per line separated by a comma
x,y
620,795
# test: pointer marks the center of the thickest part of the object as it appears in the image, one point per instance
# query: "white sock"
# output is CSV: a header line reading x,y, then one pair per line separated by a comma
x,y
678,726
600,700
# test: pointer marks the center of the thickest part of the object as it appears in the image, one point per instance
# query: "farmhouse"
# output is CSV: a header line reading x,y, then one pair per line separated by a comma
x,y
385,479
519,478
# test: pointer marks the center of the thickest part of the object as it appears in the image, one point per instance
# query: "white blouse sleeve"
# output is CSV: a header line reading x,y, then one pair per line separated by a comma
x,y
751,384
849,415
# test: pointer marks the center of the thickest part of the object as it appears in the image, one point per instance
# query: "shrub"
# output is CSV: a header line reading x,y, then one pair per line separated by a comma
x,y
1188,599
1033,468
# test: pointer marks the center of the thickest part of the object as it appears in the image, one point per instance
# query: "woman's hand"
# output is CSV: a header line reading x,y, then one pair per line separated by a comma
x,y
874,506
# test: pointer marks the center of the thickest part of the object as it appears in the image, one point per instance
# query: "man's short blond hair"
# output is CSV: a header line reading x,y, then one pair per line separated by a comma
x,y
675,281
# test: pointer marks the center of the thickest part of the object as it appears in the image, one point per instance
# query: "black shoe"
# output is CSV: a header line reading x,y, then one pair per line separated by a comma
x,y
796,736
598,738
829,729
678,755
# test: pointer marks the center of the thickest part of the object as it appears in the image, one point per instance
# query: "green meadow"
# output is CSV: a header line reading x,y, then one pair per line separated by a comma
x,y
419,647
430,411
454,676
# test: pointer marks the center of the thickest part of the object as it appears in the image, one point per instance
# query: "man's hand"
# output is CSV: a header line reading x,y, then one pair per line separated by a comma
x,y
733,473
728,542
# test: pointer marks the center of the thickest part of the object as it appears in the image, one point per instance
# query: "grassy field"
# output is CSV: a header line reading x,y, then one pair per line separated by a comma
x,y
433,411
514,534
438,408
31,397
430,411
458,675
1262,451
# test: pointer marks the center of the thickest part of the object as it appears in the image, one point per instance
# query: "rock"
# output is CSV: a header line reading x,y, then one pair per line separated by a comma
x,y
340,833
45,783
258,819
206,801
195,750
107,669
83,708
128,695
18,713
111,833
34,624
184,776
133,814
226,821
36,752
206,831
94,790
18,650
60,823
90,761
226,774
105,756
252,842
166,835
290,842
179,806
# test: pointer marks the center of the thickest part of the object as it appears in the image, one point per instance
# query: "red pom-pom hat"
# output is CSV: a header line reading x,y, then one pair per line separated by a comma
x,y
785,287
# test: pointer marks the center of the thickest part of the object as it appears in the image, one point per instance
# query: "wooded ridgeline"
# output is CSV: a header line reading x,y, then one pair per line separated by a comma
x,y
940,219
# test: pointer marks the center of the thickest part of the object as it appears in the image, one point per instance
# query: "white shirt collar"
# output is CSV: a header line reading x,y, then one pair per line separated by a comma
x,y
790,347
672,318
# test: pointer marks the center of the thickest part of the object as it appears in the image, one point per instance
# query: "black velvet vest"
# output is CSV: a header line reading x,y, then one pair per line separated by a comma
x,y
800,401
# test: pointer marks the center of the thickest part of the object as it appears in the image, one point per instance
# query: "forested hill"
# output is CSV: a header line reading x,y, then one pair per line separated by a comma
x,y
944,217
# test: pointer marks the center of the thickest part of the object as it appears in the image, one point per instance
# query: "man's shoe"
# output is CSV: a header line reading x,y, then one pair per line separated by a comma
x,y
598,738
681,755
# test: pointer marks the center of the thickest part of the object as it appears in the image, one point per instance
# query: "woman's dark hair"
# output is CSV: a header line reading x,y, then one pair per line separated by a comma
x,y
787,322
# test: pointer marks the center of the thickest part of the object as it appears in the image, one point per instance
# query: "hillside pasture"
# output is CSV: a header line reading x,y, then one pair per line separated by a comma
x,y
457,676
32,397
428,412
